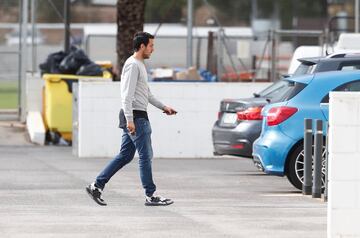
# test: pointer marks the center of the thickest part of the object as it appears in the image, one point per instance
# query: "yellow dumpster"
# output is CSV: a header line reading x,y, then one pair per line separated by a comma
x,y
105,64
57,102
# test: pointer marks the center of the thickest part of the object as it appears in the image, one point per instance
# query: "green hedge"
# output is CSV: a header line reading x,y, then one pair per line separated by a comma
x,y
8,95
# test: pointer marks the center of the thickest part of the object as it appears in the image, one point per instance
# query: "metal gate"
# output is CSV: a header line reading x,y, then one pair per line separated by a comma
x,y
13,58
10,43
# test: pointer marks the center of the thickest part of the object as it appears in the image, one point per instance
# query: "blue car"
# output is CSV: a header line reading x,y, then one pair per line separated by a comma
x,y
279,149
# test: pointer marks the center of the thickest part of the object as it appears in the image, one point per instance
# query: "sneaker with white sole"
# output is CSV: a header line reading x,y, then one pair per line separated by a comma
x,y
96,194
157,201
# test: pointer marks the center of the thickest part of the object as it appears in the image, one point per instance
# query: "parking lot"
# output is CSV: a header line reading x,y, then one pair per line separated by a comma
x,y
43,195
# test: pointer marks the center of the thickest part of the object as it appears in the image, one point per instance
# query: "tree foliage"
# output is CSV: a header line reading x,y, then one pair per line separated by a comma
x,y
235,12
50,11
167,11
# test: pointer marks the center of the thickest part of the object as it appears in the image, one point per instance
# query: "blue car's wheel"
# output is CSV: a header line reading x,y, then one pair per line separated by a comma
x,y
295,172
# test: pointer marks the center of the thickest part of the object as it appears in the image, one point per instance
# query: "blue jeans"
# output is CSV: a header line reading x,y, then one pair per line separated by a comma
x,y
141,142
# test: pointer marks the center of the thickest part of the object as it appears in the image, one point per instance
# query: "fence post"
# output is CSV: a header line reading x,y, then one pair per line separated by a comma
x,y
219,63
273,56
306,188
316,189
210,62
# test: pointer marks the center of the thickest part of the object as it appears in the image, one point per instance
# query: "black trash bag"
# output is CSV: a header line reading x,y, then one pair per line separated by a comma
x,y
52,63
72,63
91,69
55,138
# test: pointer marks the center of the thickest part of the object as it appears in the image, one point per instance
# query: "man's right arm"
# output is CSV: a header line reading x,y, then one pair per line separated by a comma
x,y
128,86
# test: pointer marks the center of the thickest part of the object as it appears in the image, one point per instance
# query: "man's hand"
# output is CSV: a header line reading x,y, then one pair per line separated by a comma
x,y
131,127
169,111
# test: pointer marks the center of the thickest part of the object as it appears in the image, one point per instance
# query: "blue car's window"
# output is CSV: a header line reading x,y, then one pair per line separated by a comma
x,y
353,86
293,91
282,90
272,88
304,69
278,92
285,91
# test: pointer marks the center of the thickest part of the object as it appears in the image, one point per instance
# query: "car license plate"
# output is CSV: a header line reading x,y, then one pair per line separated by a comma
x,y
229,118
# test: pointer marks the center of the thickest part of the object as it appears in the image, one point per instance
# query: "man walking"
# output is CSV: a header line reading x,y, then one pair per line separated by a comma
x,y
135,96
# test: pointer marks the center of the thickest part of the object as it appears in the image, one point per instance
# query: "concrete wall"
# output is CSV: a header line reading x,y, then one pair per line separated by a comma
x,y
34,85
34,122
188,134
344,165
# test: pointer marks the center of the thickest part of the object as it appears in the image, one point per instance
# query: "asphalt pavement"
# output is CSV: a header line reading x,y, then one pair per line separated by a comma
x,y
43,195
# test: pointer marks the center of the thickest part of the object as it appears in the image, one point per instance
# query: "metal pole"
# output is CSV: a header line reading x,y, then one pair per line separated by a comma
x,y
306,188
210,63
254,12
273,56
33,31
198,51
294,4
316,189
219,63
23,60
21,5
356,16
321,44
67,25
253,68
189,62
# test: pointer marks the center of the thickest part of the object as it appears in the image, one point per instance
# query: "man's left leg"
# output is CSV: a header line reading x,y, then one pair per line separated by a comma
x,y
142,143
125,155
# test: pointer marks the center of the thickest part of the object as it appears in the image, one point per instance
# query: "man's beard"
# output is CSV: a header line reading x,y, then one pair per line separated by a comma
x,y
146,56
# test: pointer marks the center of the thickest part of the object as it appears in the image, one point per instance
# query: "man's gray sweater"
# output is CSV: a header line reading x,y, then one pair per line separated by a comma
x,y
135,91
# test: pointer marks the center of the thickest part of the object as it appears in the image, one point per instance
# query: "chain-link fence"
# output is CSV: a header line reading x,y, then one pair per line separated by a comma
x,y
9,60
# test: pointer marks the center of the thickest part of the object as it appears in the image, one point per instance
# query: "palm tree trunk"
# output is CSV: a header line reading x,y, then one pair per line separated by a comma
x,y
130,19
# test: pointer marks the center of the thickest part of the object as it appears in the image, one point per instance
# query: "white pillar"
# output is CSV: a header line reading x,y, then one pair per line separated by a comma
x,y
344,176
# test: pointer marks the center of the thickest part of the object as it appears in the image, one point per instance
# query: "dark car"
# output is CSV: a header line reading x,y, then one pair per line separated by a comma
x,y
239,120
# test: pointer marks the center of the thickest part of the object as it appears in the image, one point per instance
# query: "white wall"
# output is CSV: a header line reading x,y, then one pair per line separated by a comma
x,y
188,134
344,165
34,121
34,85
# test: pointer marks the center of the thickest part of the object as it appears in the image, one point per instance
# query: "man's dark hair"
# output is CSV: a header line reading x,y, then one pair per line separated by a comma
x,y
141,38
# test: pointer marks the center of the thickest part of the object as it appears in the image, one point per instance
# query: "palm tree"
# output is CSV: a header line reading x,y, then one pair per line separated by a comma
x,y
130,19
